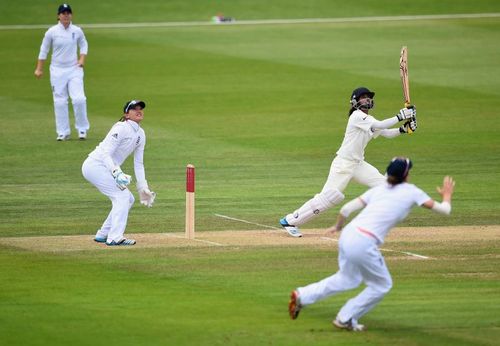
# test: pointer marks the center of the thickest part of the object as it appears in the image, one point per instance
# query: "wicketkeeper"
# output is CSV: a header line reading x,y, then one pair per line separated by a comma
x,y
102,169
350,164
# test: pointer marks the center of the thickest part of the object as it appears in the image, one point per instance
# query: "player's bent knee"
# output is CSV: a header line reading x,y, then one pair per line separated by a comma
x,y
385,287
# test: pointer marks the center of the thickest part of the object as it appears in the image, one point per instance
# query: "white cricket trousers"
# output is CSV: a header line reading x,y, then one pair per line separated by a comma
x,y
342,171
114,226
360,261
68,81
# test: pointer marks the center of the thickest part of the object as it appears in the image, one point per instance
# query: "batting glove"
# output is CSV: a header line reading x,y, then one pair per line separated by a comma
x,y
147,197
410,124
121,179
407,113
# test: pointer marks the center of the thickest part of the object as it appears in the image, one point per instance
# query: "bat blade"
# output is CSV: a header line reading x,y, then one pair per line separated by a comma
x,y
403,71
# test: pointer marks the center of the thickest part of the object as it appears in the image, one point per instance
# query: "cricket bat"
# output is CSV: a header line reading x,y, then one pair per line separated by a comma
x,y
403,72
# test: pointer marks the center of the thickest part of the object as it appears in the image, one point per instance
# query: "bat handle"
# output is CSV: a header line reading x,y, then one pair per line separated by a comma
x,y
407,105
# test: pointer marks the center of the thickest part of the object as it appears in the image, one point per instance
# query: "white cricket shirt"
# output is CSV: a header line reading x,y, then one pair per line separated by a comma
x,y
124,138
64,43
357,135
386,205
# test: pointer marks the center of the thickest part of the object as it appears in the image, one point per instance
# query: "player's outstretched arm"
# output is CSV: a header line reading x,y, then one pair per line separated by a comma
x,y
446,192
345,211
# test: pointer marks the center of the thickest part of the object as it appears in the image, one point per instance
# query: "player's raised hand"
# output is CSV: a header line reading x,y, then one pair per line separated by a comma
x,y
409,126
446,191
407,113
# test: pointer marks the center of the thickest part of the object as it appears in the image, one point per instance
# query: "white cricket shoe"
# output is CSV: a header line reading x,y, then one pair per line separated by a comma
x,y
292,230
61,138
349,325
100,239
82,135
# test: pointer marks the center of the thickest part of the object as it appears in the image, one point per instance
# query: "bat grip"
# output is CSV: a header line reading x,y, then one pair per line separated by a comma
x,y
407,105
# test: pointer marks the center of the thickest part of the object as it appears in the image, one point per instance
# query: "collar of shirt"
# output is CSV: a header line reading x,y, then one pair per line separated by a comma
x,y
61,26
133,124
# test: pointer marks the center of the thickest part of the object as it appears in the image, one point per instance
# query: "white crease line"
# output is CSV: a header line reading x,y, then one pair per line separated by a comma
x,y
407,253
323,238
264,21
388,250
200,240
249,222
326,238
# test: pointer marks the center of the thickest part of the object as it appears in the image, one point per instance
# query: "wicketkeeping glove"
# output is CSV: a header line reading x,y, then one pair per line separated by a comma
x,y
407,113
121,179
147,197
410,124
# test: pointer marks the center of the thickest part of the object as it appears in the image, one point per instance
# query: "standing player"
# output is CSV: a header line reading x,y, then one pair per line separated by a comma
x,y
66,72
102,169
349,163
359,258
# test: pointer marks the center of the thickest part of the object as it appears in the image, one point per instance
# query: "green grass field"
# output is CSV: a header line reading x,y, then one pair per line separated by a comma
x,y
260,111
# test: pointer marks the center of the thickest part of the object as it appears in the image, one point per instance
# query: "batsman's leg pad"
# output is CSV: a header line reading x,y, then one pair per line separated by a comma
x,y
319,203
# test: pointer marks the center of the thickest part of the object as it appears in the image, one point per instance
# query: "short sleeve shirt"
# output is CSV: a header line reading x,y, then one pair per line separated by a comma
x,y
386,205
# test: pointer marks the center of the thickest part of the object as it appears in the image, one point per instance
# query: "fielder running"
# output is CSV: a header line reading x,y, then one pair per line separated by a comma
x,y
102,169
66,72
359,258
350,164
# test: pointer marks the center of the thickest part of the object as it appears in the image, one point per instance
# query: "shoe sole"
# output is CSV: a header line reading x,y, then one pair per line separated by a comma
x,y
293,307
123,243
100,240
345,326
291,230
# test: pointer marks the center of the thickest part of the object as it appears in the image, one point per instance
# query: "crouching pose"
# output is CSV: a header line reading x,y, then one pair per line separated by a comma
x,y
360,260
350,161
102,169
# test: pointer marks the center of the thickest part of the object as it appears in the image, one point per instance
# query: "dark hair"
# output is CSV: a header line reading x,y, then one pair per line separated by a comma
x,y
394,180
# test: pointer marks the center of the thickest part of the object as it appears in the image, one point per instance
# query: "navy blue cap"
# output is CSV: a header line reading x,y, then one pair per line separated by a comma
x,y
399,167
64,8
133,104
356,94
